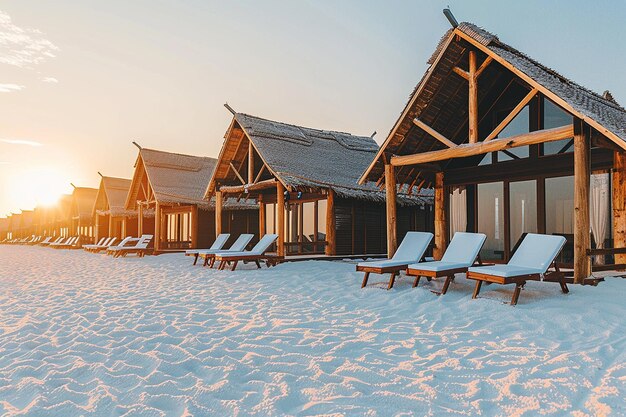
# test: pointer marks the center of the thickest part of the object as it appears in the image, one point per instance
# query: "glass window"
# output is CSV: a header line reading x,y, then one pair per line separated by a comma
x,y
321,219
554,116
270,218
308,221
560,212
491,219
522,210
520,124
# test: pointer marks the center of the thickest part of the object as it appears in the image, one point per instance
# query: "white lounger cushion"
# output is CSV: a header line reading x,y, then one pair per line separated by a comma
x,y
259,249
218,244
461,253
534,256
505,271
411,250
437,266
238,245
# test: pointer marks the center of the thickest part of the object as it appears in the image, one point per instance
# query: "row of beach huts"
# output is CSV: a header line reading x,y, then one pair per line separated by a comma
x,y
490,142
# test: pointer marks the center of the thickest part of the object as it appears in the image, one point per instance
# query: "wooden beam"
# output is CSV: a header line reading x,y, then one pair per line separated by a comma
x,y
250,162
472,149
473,99
619,204
461,72
236,189
157,228
440,218
232,167
258,176
193,219
218,213
432,132
390,187
532,93
262,219
582,172
280,218
483,66
331,225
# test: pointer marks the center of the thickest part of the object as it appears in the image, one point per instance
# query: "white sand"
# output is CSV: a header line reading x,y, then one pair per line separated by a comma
x,y
84,334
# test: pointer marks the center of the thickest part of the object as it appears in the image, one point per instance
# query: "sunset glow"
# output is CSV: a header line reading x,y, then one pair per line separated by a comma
x,y
38,186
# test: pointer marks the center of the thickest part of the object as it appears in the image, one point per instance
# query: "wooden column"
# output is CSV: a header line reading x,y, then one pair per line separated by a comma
x,y
280,218
619,204
392,230
331,225
582,171
473,99
140,220
261,216
218,213
250,162
440,217
110,225
124,228
193,218
157,228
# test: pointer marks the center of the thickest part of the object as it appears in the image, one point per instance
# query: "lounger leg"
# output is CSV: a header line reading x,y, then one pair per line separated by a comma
x,y
479,283
258,265
195,258
564,287
234,265
212,262
518,289
417,281
206,261
391,280
446,284
365,278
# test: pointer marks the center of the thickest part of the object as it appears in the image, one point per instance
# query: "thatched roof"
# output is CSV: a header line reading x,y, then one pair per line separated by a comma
x,y
83,199
111,197
304,158
440,99
174,178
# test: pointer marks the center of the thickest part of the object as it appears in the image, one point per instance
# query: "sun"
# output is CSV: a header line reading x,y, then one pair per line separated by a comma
x,y
37,187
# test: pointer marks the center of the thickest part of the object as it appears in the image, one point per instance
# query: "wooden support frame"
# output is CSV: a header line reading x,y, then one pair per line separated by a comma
x,y
280,218
250,162
619,204
441,229
391,193
218,213
232,167
331,225
157,228
473,99
432,132
582,173
472,149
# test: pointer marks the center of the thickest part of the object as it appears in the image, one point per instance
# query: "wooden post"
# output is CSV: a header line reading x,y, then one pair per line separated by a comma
x,y
473,99
440,217
390,188
262,219
280,218
193,219
218,213
157,228
250,162
582,267
140,220
110,226
619,204
331,225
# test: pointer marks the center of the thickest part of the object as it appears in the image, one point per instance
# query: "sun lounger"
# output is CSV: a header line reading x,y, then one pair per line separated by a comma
x,y
67,244
127,241
140,246
219,243
529,263
50,242
44,242
100,242
461,253
256,254
103,245
238,245
411,250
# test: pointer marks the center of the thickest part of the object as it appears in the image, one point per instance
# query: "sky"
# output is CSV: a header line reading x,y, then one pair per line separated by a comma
x,y
80,80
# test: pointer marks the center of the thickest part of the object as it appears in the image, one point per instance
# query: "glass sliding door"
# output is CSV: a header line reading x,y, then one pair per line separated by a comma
x,y
560,212
522,210
305,225
491,219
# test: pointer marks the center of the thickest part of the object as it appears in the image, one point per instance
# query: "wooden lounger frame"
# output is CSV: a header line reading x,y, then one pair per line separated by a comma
x,y
518,280
393,270
270,260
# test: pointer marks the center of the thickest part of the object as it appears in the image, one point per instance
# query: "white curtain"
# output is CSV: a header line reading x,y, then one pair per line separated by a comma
x,y
458,211
599,212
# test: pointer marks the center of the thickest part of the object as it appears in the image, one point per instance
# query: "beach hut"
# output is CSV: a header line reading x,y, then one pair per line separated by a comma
x,y
26,225
83,199
4,228
108,212
511,147
62,217
167,190
305,182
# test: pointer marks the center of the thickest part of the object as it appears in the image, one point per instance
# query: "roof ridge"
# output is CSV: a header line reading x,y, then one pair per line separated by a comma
x,y
178,153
